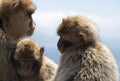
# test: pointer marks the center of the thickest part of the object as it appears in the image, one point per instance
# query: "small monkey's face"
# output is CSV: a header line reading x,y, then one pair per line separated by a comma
x,y
27,58
26,67
19,22
69,36
72,34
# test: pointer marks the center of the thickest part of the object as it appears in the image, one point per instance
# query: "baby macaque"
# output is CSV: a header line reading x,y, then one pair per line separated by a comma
x,y
31,64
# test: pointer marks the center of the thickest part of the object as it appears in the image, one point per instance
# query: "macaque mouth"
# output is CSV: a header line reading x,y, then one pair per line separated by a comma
x,y
30,32
63,44
67,44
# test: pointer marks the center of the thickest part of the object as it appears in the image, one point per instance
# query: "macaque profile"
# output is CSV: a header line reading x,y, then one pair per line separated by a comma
x,y
31,64
15,23
83,56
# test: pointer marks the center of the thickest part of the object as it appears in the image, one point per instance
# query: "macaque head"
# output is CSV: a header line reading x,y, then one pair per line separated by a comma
x,y
27,58
76,32
16,18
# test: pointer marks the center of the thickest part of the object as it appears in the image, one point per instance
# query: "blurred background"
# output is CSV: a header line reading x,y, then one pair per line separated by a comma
x,y
49,14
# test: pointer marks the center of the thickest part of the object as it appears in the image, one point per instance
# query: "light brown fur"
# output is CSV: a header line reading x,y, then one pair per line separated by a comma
x,y
84,57
15,23
29,49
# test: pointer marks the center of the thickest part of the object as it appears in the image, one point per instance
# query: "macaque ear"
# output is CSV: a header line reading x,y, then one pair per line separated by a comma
x,y
83,38
41,51
16,6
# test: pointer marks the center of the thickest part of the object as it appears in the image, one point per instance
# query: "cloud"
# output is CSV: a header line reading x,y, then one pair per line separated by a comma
x,y
51,17
47,22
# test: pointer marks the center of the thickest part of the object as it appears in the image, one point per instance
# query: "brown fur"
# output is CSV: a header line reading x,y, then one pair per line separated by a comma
x,y
84,57
15,23
29,50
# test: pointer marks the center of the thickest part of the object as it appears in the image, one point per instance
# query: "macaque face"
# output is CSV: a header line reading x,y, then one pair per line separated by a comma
x,y
69,36
26,67
22,26
19,22
27,58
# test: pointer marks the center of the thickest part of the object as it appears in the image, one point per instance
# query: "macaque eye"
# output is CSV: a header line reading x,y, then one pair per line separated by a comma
x,y
73,29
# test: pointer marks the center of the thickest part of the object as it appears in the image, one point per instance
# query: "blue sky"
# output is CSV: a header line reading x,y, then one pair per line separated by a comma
x,y
49,13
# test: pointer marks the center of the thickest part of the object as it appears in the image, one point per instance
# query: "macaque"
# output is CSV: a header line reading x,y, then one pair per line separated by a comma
x,y
31,64
15,23
83,56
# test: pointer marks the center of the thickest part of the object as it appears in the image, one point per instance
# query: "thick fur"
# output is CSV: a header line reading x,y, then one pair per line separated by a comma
x,y
94,64
13,26
7,72
90,62
48,68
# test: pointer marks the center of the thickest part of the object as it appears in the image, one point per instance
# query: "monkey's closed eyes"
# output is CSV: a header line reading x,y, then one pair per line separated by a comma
x,y
83,56
21,63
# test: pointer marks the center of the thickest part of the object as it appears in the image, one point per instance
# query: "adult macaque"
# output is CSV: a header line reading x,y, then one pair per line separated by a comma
x,y
15,23
84,57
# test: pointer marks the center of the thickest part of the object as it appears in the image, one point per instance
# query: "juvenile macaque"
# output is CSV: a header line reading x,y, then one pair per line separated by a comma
x,y
15,23
31,64
84,57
